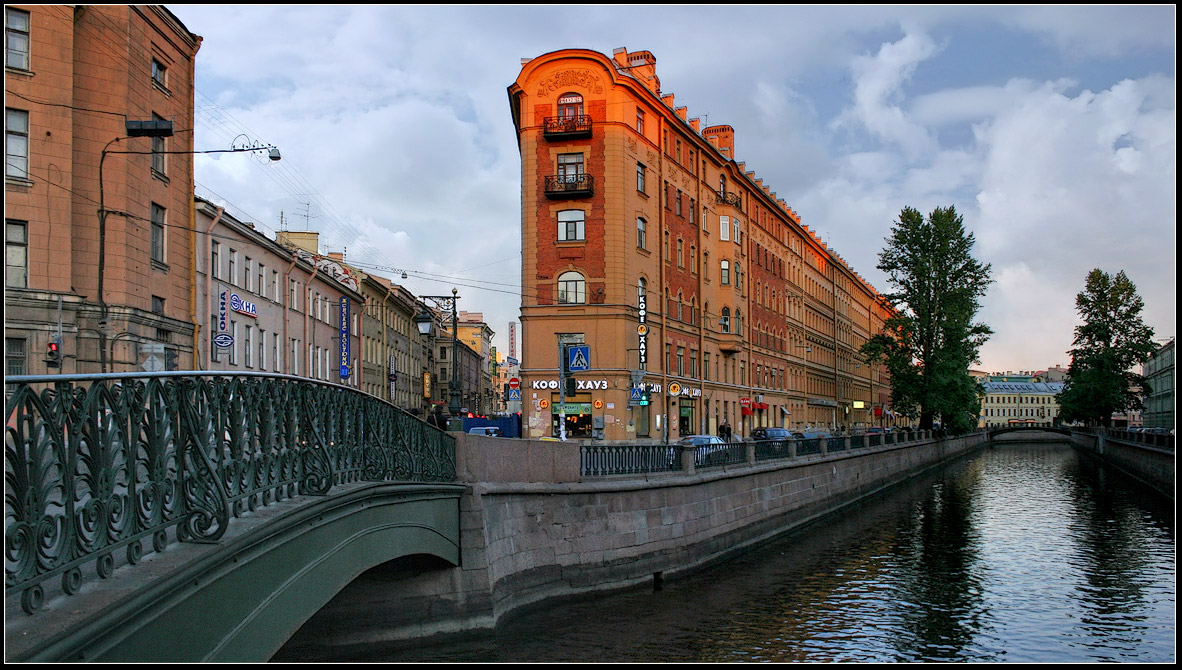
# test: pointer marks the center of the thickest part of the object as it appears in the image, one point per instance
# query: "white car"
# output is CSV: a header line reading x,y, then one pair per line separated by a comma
x,y
490,431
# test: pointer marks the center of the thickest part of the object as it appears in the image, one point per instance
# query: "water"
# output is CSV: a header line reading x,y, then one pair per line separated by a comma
x,y
1023,553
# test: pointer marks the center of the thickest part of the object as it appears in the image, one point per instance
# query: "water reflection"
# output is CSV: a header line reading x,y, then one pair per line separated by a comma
x,y
1024,553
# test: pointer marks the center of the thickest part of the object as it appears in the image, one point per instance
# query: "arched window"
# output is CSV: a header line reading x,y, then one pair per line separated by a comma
x,y
724,321
572,288
722,184
570,105
642,288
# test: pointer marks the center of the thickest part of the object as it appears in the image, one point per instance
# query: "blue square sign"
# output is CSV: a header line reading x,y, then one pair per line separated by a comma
x,y
578,358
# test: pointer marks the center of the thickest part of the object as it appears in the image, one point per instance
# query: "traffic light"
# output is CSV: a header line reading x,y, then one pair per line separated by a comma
x,y
571,386
53,354
170,362
644,398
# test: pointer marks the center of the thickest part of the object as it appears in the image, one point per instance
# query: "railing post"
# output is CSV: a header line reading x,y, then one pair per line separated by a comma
x,y
687,452
750,453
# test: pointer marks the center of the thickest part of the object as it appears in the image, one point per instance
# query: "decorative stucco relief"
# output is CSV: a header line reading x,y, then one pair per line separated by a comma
x,y
561,81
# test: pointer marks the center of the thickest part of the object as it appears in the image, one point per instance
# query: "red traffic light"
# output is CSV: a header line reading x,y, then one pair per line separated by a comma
x,y
53,347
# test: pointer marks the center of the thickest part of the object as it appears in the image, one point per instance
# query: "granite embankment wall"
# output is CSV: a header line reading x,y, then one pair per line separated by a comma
x,y
1151,464
532,529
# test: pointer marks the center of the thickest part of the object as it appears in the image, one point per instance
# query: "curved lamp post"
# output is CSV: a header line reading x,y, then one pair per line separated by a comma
x,y
153,128
424,322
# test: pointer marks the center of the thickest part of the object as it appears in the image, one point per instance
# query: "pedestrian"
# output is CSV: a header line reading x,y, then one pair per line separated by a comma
x,y
436,419
724,431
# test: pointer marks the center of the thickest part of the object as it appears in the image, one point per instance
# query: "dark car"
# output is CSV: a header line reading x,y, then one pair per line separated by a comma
x,y
761,434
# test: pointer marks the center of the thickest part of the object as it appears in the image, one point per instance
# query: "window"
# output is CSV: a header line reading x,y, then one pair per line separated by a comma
x,y
678,154
735,223
724,228
678,202
680,361
570,168
262,288
16,37
572,288
16,143
639,177
215,250
724,321
640,237
262,350
692,207
724,272
247,269
247,349
157,233
680,253
570,105
159,74
640,122
16,254
157,305
233,266
570,225
14,356
158,149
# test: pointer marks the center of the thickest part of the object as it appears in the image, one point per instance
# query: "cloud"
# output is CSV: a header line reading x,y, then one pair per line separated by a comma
x,y
878,82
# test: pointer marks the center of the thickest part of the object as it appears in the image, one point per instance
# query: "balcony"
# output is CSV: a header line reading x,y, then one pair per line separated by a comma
x,y
729,343
566,127
727,198
566,186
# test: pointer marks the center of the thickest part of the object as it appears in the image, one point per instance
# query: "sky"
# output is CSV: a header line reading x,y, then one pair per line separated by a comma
x,y
1051,129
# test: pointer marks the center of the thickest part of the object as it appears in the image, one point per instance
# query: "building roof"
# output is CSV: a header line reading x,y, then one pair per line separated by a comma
x,y
1023,387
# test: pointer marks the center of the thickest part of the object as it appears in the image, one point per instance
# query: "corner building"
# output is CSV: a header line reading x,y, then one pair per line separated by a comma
x,y
683,274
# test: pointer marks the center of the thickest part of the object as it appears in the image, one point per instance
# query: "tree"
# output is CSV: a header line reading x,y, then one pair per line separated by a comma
x,y
930,342
1112,339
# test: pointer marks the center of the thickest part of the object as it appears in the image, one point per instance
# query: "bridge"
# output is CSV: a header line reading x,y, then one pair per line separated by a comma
x,y
245,502
206,517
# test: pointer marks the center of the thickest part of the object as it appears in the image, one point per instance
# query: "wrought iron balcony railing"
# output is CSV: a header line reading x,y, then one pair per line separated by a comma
x,y
560,186
104,463
566,127
728,198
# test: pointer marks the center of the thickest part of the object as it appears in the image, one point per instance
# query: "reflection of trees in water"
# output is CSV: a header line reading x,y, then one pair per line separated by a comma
x,y
938,591
1114,555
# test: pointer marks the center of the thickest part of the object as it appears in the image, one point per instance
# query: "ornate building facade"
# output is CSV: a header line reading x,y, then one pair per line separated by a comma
x,y
683,277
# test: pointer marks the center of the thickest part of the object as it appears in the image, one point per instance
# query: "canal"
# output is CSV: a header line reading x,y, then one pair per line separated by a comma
x,y
1019,553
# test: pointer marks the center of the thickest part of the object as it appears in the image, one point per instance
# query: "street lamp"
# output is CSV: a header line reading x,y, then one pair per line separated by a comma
x,y
424,323
152,128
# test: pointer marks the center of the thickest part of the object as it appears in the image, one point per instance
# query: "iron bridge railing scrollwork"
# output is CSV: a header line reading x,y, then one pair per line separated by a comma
x,y
96,466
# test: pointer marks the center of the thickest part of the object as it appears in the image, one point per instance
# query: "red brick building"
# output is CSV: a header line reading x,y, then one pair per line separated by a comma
x,y
74,77
680,272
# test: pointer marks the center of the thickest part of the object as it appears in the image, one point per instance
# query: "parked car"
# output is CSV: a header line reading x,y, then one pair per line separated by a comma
x,y
761,434
490,431
713,451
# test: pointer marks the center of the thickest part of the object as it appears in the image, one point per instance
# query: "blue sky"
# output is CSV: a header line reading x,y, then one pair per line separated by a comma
x,y
1051,129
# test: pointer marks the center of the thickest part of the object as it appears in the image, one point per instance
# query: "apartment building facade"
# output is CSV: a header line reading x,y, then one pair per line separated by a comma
x,y
99,248
683,275
273,305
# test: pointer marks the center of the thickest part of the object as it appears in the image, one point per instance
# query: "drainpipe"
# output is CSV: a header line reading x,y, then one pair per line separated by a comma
x,y
198,360
287,314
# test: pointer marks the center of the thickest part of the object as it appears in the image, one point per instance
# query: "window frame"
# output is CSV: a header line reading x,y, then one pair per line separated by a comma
x,y
25,34
641,233
10,246
564,227
159,241
566,282
16,137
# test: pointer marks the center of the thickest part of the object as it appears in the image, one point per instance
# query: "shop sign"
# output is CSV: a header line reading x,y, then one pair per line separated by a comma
x,y
745,403
642,328
243,306
426,384
684,391
571,408
344,332
223,311
580,384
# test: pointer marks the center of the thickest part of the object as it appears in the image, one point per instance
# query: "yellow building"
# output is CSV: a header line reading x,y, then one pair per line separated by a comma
x,y
682,274
1019,401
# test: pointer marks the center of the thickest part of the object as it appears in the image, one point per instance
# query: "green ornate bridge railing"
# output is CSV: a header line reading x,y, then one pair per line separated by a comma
x,y
98,466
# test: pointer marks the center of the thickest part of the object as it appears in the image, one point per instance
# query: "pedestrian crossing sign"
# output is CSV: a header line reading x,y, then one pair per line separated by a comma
x,y
578,358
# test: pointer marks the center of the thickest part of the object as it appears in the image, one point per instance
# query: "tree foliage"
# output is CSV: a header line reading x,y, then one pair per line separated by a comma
x,y
930,342
1111,341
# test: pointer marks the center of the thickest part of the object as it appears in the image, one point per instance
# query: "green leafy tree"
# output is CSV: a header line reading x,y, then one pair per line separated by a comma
x,y
930,342
1111,341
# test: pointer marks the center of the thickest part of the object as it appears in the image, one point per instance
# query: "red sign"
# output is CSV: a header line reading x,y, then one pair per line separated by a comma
x,y
514,383
745,402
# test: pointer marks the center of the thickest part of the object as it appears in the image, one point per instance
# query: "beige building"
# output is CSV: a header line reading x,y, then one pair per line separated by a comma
x,y
93,94
673,269
273,305
1019,400
394,354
